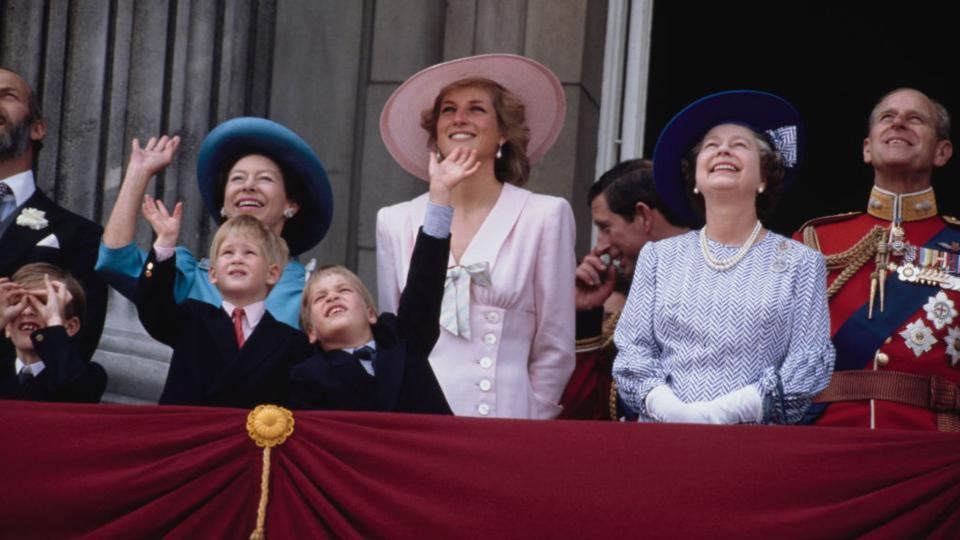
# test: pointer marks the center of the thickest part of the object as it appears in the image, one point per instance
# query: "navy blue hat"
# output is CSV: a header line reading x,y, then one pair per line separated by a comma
x,y
760,111
239,137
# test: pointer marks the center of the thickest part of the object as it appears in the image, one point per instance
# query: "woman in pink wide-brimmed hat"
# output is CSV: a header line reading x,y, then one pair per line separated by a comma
x,y
506,346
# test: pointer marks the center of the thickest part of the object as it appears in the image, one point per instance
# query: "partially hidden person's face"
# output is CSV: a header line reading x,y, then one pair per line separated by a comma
x,y
338,312
255,187
241,270
903,135
468,119
19,329
729,163
15,133
617,237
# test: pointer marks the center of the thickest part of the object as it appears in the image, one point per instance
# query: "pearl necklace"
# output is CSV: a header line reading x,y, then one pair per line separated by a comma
x,y
720,264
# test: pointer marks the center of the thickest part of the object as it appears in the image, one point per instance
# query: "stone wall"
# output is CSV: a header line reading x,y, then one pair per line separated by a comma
x,y
112,71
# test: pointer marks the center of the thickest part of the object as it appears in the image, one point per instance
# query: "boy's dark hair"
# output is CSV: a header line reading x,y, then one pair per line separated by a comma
x,y
628,183
30,276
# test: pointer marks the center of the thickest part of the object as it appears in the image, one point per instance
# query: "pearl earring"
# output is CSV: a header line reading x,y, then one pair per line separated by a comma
x,y
500,151
288,212
695,190
760,189
223,211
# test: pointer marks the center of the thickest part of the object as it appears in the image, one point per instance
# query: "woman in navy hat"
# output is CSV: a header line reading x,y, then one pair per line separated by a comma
x,y
728,324
245,166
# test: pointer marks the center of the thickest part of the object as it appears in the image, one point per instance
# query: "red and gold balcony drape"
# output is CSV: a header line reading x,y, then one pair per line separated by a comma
x,y
114,471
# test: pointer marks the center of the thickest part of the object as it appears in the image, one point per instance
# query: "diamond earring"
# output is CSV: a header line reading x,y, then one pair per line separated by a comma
x,y
500,151
288,212
223,211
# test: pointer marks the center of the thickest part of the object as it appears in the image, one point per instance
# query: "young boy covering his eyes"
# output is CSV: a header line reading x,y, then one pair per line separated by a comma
x,y
42,309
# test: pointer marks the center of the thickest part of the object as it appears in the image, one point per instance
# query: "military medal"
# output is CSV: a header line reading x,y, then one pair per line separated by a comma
x,y
940,310
953,345
927,276
918,337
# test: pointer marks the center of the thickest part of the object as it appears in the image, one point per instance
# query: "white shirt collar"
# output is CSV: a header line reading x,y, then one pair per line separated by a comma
x,y
22,185
372,344
252,314
34,368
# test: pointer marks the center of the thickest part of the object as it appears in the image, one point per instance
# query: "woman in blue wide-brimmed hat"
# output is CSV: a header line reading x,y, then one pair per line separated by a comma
x,y
728,324
245,166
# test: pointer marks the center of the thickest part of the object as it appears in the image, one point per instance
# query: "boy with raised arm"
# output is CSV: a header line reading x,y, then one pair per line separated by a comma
x,y
232,355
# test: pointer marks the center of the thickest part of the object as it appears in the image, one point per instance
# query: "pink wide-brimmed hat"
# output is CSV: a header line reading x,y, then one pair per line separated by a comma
x,y
533,83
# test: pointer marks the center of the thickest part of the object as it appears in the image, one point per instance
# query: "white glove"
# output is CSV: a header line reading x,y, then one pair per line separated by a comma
x,y
741,406
737,407
663,405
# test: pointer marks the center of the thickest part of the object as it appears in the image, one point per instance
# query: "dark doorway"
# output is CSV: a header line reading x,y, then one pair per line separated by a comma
x,y
831,60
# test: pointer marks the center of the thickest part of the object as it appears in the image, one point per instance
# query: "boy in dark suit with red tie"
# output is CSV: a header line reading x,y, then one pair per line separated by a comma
x,y
380,363
41,311
234,355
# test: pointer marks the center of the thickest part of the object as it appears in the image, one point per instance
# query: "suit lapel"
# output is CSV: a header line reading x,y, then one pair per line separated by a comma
x,y
347,369
220,330
389,364
491,235
17,239
262,345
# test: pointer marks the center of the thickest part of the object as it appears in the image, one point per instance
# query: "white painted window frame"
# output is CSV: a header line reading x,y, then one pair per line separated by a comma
x,y
626,68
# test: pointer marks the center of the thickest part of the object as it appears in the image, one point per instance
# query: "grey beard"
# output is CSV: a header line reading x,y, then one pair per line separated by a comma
x,y
14,141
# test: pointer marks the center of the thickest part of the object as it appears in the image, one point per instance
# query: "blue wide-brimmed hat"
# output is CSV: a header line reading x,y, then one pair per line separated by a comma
x,y
242,136
762,112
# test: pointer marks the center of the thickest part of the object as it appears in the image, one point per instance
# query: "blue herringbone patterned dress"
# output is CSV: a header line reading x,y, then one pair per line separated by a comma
x,y
706,333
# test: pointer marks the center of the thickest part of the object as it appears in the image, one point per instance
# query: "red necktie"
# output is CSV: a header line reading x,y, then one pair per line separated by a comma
x,y
238,326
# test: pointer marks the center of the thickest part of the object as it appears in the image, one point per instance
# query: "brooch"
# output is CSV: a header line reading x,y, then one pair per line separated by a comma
x,y
32,218
779,262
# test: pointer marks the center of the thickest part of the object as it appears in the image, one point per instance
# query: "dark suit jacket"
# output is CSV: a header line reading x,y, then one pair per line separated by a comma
x,y
66,377
404,380
207,367
79,240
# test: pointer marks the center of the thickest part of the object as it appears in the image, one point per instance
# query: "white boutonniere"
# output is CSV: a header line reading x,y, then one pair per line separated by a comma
x,y
33,218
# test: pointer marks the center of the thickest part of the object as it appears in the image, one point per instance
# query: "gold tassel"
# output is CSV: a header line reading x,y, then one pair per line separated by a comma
x,y
268,426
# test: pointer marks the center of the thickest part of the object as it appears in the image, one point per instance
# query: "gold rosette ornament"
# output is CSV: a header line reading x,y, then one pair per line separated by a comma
x,y
268,426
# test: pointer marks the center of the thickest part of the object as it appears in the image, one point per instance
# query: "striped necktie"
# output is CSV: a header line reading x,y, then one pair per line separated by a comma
x,y
7,201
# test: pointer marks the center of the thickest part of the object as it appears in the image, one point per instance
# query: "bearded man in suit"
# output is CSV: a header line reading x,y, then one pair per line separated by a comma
x,y
33,228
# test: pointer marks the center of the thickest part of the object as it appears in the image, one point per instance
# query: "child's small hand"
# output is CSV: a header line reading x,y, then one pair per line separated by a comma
x,y
447,174
165,224
13,300
52,308
154,157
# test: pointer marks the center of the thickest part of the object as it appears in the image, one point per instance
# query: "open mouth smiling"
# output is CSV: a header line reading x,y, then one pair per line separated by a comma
x,y
335,310
898,141
249,203
724,166
28,327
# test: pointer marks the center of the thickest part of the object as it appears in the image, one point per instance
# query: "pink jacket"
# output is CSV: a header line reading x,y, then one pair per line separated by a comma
x,y
521,350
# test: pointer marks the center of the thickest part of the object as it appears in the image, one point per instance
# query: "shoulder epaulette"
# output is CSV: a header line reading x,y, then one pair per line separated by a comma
x,y
809,229
951,220
829,219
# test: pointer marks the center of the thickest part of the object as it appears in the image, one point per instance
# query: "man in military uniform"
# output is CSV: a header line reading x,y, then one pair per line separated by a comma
x,y
893,283
628,213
